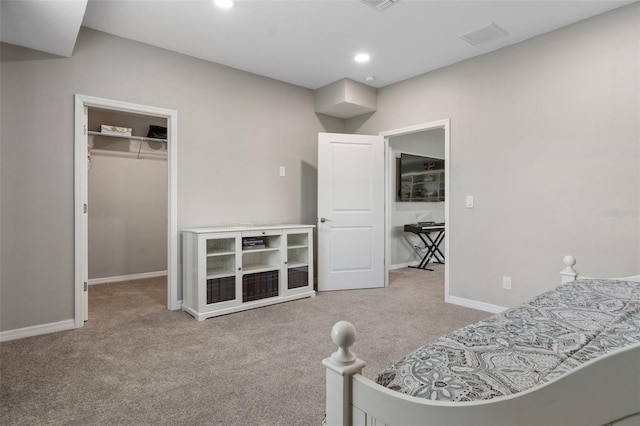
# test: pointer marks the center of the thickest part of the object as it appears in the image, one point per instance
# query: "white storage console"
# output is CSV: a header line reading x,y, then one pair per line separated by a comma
x,y
230,269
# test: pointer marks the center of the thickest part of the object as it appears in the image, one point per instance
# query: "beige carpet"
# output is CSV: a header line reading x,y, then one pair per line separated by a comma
x,y
134,362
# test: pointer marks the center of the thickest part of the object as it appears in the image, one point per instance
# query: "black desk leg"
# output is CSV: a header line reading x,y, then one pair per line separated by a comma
x,y
435,247
433,250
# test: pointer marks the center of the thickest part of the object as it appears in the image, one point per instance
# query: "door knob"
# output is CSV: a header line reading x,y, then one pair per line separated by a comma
x,y
324,219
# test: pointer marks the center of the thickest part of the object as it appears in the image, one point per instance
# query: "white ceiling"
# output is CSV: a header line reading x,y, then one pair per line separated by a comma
x,y
309,43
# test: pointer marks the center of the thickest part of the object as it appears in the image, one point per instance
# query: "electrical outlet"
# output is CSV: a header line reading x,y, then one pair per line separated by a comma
x,y
506,283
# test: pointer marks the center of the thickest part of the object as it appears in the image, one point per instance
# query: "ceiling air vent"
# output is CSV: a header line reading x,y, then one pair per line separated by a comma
x,y
380,5
484,35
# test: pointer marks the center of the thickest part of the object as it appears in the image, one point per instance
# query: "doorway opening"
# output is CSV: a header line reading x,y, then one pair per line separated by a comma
x,y
158,159
429,139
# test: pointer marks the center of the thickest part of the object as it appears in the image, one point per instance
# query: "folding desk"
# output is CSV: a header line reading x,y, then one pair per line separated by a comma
x,y
425,231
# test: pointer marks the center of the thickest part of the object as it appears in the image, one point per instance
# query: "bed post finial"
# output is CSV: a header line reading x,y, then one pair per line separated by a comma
x,y
343,335
341,366
568,274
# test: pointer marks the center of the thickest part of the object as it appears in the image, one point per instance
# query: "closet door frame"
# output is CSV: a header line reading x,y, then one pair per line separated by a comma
x,y
82,103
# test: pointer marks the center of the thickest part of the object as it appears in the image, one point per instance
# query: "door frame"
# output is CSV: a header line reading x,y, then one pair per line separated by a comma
x,y
80,195
390,190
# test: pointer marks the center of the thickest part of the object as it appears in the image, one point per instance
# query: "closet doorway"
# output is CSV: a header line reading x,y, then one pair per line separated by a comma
x,y
126,224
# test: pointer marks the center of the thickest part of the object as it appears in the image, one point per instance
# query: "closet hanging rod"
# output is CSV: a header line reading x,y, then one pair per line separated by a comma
x,y
137,138
134,154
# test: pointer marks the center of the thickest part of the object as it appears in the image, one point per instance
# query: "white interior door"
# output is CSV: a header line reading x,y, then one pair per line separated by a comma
x,y
350,211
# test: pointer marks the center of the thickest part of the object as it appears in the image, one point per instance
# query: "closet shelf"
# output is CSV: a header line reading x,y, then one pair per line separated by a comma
x,y
136,138
142,154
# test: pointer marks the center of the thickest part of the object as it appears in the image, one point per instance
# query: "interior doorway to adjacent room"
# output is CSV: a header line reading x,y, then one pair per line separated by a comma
x,y
429,140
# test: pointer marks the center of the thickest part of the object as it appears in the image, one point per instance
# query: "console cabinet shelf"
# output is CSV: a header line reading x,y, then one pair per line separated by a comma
x,y
231,269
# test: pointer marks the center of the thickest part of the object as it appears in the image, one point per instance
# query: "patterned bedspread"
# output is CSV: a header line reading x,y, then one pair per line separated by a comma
x,y
524,346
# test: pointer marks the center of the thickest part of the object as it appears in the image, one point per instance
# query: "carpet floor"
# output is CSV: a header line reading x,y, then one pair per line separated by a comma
x,y
135,362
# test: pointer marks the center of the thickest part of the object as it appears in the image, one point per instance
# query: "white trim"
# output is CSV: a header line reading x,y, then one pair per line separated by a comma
x,y
439,124
403,265
79,180
474,304
635,278
174,302
80,166
388,159
37,330
121,278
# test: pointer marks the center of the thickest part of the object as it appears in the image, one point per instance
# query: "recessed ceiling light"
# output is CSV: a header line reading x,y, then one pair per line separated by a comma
x,y
370,77
362,57
225,4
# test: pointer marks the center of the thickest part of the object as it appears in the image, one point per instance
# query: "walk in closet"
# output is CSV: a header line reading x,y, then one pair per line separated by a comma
x,y
128,196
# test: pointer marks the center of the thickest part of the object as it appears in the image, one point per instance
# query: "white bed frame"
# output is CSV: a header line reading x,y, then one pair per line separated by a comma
x,y
605,391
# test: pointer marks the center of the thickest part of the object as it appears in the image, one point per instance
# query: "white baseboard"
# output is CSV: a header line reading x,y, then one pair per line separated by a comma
x,y
474,304
37,330
403,265
455,300
127,277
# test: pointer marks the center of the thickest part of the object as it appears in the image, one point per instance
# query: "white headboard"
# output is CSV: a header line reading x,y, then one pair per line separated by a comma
x,y
569,274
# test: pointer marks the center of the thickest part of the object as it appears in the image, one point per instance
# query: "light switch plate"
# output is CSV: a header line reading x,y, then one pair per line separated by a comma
x,y
282,171
469,201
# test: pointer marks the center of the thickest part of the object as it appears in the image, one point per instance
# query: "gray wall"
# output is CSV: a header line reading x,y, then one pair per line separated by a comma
x,y
127,215
235,129
545,135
